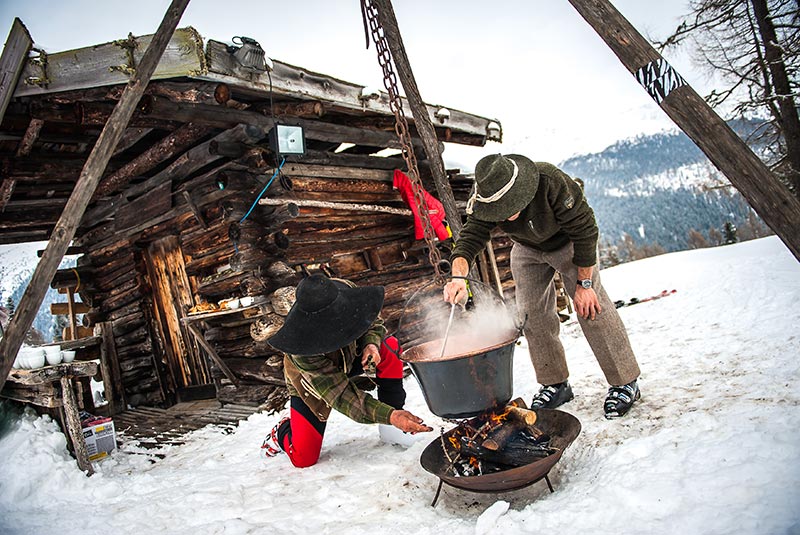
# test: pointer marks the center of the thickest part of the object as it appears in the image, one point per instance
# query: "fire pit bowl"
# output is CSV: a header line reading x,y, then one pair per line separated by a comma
x,y
563,429
466,384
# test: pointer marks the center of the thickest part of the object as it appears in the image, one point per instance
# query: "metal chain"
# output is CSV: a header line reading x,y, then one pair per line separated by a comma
x,y
401,128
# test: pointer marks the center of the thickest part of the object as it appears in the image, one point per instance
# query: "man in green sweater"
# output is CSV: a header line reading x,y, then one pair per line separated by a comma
x,y
553,228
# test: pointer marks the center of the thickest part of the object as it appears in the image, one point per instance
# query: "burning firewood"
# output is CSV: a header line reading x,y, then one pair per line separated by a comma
x,y
497,440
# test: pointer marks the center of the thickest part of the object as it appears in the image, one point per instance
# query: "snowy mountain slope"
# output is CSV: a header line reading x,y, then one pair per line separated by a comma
x,y
713,447
661,184
17,263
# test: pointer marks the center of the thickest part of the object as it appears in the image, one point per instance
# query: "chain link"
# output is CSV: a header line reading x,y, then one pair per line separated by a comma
x,y
401,128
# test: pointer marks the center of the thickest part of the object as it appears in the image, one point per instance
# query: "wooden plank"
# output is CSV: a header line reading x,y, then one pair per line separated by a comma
x,y
96,163
96,66
152,204
212,353
295,81
109,366
12,62
332,171
48,374
63,308
47,395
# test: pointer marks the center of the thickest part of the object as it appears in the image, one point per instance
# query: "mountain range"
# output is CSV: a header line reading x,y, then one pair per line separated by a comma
x,y
657,188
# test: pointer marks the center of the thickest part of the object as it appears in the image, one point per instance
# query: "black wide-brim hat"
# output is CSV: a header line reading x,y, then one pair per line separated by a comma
x,y
327,315
504,185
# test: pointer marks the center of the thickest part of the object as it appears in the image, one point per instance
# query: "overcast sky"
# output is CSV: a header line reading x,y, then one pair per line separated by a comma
x,y
535,65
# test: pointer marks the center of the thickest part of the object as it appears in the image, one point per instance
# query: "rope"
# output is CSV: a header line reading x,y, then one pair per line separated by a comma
x,y
78,276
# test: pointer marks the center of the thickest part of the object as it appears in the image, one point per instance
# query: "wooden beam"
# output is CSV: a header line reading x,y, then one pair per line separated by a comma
x,y
168,147
12,61
339,206
96,163
776,205
107,63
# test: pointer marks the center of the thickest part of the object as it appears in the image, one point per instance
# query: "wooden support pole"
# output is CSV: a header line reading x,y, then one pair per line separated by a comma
x,y
419,110
73,424
771,200
96,164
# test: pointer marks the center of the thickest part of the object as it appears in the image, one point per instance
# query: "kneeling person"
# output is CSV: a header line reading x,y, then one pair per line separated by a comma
x,y
331,334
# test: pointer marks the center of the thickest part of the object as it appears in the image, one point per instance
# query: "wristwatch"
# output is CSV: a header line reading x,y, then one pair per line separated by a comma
x,y
585,283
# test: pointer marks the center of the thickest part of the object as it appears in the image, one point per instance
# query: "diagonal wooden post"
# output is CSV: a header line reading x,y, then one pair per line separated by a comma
x,y
419,110
776,205
95,165
12,61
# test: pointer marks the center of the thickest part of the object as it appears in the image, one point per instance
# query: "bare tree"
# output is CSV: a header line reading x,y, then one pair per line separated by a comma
x,y
755,46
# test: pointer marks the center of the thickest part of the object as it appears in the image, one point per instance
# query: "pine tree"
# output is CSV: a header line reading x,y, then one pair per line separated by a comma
x,y
730,233
10,307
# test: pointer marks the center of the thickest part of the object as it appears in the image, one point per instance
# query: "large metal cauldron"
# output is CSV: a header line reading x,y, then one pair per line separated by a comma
x,y
465,370
563,429
464,385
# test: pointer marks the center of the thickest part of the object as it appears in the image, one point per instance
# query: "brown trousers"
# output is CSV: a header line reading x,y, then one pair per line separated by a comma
x,y
533,273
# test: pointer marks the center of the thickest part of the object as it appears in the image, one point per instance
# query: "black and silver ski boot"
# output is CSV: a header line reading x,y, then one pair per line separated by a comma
x,y
620,399
552,396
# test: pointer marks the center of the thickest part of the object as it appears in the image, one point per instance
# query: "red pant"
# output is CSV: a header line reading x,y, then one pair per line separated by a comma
x,y
301,436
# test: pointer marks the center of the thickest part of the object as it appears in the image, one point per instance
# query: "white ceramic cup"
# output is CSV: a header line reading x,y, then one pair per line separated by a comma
x,y
68,355
233,303
36,358
246,301
52,358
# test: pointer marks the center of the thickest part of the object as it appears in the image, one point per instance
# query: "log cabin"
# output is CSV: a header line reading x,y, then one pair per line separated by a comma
x,y
176,237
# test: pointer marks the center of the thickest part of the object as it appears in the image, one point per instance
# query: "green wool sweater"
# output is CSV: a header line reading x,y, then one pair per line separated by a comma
x,y
557,215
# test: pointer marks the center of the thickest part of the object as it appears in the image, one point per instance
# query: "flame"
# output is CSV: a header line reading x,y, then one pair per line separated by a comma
x,y
499,418
474,462
454,442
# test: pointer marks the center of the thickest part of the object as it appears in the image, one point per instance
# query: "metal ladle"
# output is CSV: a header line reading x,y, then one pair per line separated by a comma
x,y
447,331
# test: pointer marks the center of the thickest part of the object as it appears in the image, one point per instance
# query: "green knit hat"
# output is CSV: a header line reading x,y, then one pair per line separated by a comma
x,y
504,185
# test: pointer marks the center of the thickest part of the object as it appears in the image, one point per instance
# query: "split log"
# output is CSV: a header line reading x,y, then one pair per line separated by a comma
x,y
264,327
282,300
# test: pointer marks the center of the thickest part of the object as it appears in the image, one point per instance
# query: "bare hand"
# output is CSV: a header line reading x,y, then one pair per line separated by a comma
x,y
407,422
586,303
370,358
455,291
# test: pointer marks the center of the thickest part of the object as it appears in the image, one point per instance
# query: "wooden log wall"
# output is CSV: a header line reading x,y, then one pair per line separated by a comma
x,y
196,174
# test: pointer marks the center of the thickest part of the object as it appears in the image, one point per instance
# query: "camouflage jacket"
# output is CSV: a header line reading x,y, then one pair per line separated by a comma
x,y
323,381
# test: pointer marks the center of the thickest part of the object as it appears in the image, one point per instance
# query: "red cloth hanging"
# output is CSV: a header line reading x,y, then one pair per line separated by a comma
x,y
436,214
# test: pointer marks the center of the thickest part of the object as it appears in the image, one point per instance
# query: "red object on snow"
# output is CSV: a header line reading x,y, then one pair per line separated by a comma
x,y
436,214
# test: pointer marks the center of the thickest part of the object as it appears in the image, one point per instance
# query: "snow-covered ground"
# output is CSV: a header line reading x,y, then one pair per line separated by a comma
x,y
713,446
